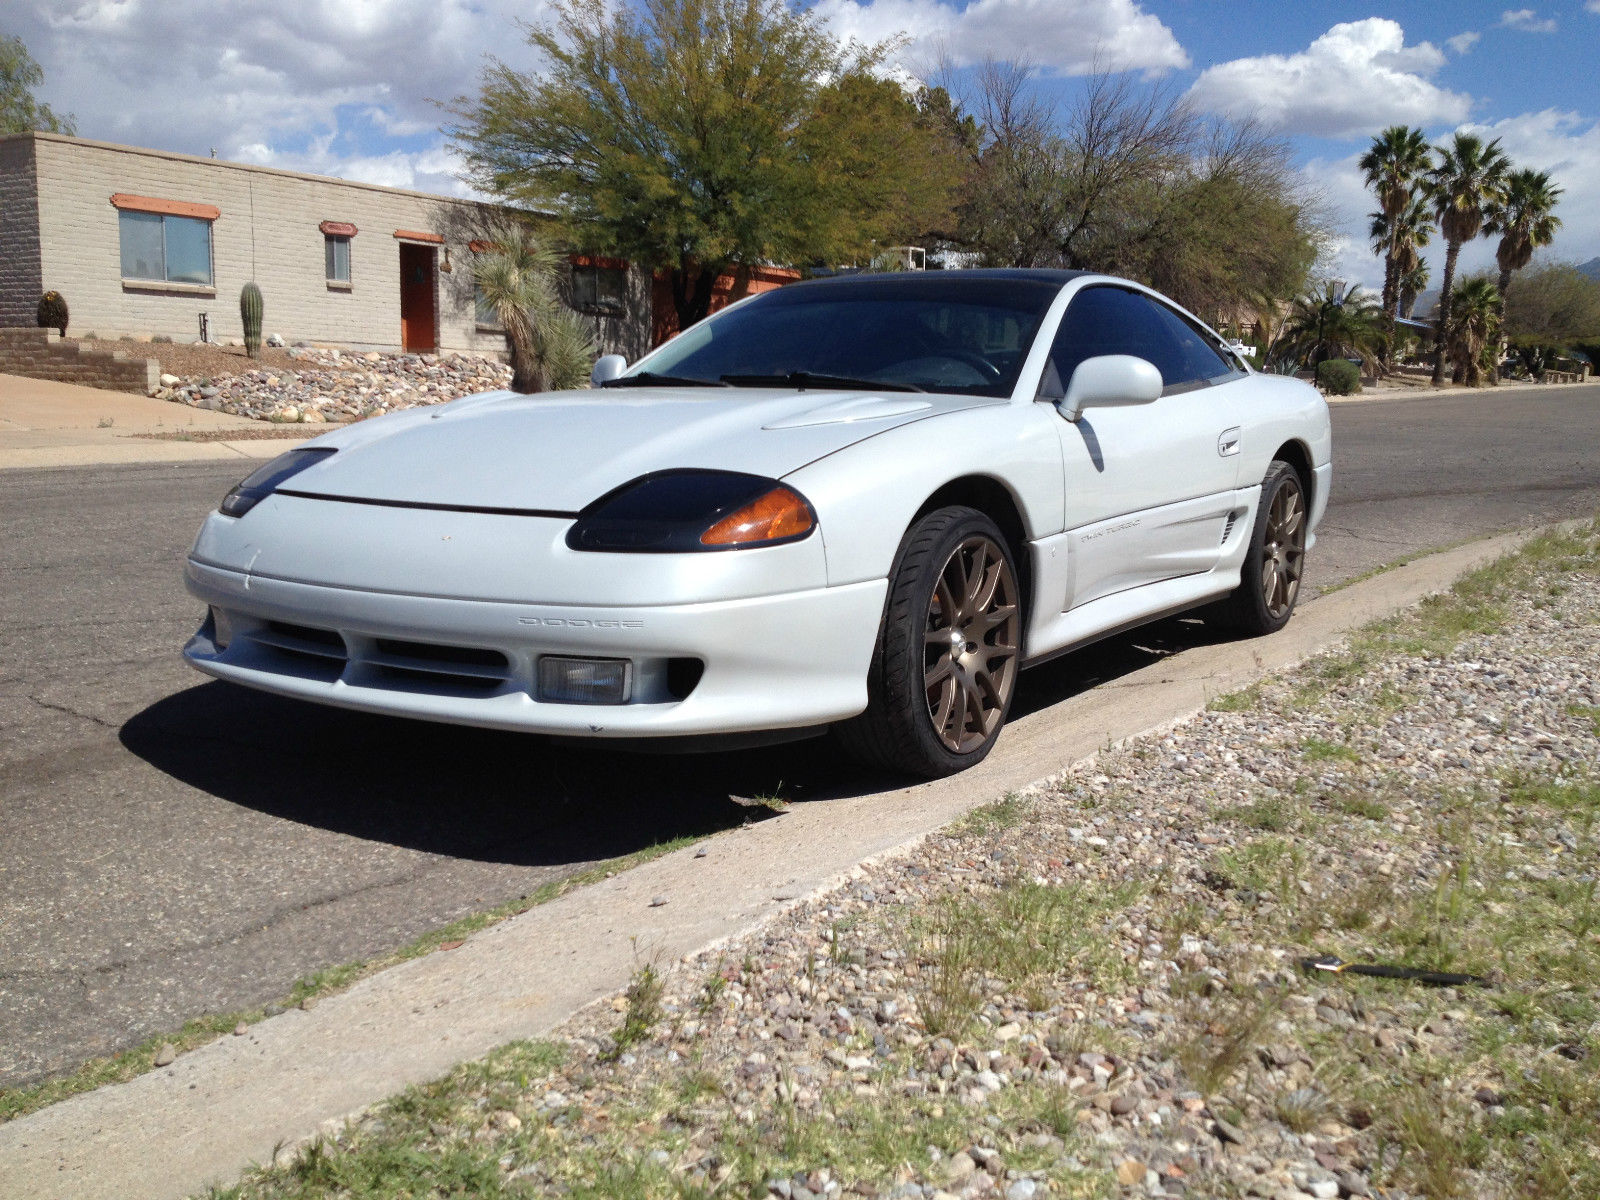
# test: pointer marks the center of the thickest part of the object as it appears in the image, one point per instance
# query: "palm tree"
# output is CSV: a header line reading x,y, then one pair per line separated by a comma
x,y
1466,183
1395,165
1412,284
551,348
1321,326
1474,320
1525,220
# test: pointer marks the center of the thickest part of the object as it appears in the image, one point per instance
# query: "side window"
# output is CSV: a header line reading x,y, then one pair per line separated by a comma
x,y
1202,360
1112,320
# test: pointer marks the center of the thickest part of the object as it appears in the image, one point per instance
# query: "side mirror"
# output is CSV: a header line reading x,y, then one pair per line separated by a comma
x,y
1110,379
607,367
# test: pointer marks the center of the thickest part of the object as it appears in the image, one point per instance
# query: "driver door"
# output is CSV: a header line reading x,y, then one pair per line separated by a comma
x,y
1149,487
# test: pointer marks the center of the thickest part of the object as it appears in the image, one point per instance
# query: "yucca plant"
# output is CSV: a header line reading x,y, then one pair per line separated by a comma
x,y
551,347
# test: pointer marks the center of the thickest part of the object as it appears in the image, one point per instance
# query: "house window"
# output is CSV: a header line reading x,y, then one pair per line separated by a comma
x,y
165,248
337,254
599,289
487,317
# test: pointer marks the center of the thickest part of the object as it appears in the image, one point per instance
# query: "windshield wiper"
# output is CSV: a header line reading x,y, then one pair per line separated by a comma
x,y
651,379
807,379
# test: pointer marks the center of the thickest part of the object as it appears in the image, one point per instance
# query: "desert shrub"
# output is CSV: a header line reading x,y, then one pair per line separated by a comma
x,y
1339,377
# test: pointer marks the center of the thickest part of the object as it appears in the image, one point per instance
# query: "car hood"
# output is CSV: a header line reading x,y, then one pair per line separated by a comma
x,y
560,451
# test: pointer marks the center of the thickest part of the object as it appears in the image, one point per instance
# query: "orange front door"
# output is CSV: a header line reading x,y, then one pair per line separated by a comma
x,y
417,282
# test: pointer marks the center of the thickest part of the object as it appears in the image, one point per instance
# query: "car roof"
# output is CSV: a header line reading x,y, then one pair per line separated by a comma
x,y
938,280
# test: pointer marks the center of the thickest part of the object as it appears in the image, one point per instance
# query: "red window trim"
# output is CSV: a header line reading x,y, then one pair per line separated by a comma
x,y
417,235
338,229
594,260
167,208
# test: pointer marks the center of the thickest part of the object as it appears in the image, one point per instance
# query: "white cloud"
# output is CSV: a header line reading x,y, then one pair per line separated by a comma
x,y
1355,79
342,89
1339,185
1463,42
1593,6
1525,20
1069,37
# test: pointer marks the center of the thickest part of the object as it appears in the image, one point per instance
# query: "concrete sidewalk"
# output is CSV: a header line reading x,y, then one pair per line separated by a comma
x,y
48,424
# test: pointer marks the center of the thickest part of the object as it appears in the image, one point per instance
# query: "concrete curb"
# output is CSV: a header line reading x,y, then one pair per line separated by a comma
x,y
238,1100
124,451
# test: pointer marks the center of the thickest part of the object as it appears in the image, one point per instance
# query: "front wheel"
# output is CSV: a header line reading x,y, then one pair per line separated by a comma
x,y
1269,583
945,667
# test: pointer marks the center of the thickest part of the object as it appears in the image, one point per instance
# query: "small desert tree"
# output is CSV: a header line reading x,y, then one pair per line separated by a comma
x,y
19,75
551,348
706,136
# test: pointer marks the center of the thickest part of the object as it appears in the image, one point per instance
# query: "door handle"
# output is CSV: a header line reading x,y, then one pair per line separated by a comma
x,y
1228,442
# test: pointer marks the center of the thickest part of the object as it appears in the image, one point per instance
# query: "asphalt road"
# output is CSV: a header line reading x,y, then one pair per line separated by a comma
x,y
171,846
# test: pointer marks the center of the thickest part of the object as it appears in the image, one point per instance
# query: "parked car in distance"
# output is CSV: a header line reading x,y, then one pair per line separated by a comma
x,y
860,504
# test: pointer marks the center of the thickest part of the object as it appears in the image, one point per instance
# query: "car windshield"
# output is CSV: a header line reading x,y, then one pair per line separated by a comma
x,y
923,333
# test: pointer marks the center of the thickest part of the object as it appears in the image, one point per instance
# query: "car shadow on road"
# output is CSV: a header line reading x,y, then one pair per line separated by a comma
x,y
512,798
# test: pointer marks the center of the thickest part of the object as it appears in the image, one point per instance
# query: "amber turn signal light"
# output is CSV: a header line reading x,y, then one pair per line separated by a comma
x,y
776,516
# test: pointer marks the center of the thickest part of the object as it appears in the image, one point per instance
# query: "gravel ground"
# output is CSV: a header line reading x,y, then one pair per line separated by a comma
x,y
303,385
1094,988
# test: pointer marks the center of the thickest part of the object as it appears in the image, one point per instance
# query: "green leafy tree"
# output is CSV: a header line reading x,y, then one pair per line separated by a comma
x,y
1130,180
19,111
550,346
1395,166
706,136
1466,183
1553,305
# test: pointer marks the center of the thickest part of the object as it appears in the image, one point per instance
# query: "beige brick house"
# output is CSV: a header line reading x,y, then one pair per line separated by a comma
x,y
146,242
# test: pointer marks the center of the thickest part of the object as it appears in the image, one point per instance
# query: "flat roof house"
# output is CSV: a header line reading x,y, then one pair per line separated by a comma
x,y
145,242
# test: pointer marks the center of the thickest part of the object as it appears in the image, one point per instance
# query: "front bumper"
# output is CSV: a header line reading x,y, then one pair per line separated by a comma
x,y
784,661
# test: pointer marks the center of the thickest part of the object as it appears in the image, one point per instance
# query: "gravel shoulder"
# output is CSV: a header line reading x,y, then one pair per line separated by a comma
x,y
1094,988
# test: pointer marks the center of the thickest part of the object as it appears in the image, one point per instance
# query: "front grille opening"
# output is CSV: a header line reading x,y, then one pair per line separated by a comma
x,y
471,656
305,633
683,675
302,650
409,679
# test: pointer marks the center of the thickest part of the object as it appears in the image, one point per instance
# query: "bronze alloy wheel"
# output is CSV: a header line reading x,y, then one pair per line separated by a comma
x,y
970,645
1283,549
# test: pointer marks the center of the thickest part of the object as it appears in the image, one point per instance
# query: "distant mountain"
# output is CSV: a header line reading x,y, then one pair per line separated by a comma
x,y
1591,269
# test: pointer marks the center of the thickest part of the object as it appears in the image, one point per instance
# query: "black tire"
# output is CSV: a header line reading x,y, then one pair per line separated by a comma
x,y
938,650
1275,561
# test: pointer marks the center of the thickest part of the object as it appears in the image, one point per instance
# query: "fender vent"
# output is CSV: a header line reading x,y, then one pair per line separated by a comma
x,y
1227,526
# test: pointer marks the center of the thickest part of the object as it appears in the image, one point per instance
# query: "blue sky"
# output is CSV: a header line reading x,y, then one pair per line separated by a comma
x,y
345,89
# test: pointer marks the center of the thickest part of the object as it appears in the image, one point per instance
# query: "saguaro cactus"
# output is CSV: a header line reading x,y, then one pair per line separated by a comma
x,y
250,314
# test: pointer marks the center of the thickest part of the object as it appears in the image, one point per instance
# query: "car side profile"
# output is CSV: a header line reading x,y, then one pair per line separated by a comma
x,y
860,505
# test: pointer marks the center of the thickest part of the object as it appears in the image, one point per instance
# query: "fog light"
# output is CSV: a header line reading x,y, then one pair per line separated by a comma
x,y
585,680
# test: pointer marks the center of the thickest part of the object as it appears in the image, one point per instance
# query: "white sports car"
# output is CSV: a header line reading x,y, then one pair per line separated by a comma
x,y
860,503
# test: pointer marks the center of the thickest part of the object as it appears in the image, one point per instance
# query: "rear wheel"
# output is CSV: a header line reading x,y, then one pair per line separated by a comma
x,y
1269,583
945,667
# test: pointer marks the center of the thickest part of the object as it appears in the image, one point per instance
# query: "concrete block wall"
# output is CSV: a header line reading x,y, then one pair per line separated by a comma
x,y
20,284
267,231
41,354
